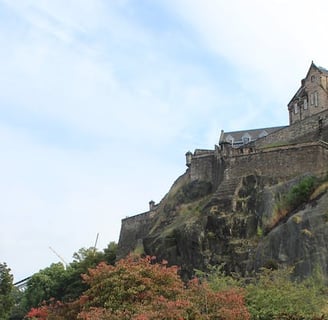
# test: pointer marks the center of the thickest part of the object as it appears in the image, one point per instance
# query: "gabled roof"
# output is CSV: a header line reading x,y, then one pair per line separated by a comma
x,y
320,69
254,134
300,92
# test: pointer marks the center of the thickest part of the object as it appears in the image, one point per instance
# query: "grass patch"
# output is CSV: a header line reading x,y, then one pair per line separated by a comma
x,y
323,187
275,145
297,219
296,196
139,249
306,232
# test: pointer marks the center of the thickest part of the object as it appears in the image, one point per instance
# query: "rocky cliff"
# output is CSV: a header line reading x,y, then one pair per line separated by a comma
x,y
263,204
248,222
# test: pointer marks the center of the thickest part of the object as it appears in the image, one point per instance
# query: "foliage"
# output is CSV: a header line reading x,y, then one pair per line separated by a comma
x,y
40,313
218,280
6,289
19,310
46,284
297,195
65,284
301,192
274,296
140,289
227,304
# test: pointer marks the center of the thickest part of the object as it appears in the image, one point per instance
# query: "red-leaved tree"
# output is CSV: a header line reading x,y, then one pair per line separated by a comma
x,y
140,289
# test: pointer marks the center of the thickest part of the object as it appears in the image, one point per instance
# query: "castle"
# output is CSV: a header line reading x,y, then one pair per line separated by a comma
x,y
279,153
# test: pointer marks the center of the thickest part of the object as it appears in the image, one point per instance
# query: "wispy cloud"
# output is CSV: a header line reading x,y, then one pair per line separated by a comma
x,y
100,100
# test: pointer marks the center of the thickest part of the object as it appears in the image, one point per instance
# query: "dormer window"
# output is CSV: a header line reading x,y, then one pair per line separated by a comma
x,y
230,139
263,134
312,78
246,138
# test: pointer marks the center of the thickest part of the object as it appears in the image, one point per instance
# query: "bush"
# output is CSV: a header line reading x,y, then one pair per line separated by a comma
x,y
301,192
274,296
297,195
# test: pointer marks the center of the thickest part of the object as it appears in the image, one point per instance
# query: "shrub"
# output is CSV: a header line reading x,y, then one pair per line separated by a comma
x,y
297,195
274,296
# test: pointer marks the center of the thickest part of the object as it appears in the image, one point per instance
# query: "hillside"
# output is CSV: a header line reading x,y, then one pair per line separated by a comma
x,y
194,227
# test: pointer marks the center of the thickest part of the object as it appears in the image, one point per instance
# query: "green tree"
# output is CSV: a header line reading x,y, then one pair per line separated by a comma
x,y
65,284
85,259
6,289
45,284
19,310
274,296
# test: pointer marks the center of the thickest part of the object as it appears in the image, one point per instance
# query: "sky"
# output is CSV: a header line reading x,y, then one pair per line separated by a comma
x,y
101,99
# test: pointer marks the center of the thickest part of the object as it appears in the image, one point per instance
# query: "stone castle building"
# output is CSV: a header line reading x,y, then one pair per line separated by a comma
x,y
312,96
279,153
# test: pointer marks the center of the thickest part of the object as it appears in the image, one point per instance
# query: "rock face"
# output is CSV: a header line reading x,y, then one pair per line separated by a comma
x,y
301,241
262,204
195,227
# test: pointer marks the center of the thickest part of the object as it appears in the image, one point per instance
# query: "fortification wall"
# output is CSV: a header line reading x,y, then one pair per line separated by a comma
x,y
133,230
208,166
309,129
202,166
281,162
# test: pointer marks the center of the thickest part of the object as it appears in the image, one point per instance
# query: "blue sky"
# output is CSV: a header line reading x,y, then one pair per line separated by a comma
x,y
100,100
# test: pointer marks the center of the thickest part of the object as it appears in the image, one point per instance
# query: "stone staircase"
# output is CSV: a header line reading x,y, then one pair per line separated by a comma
x,y
224,194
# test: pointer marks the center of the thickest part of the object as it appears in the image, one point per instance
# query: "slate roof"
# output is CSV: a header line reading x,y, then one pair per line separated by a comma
x,y
253,135
323,70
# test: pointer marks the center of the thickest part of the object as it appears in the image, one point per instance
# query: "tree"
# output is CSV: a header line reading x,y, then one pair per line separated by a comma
x,y
134,287
6,289
272,295
85,259
46,284
56,282
139,289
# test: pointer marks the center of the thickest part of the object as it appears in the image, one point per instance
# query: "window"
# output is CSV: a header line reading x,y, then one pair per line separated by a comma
x,y
263,134
230,139
312,99
312,78
295,108
305,105
245,140
316,99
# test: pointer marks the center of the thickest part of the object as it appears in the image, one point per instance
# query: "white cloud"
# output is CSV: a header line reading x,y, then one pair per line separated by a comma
x,y
269,42
99,104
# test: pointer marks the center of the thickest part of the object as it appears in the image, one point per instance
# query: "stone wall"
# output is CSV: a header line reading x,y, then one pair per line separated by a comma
x,y
281,162
310,129
207,166
202,166
133,230
312,96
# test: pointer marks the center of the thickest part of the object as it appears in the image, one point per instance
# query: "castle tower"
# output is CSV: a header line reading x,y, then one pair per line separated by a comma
x,y
188,159
312,97
151,205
